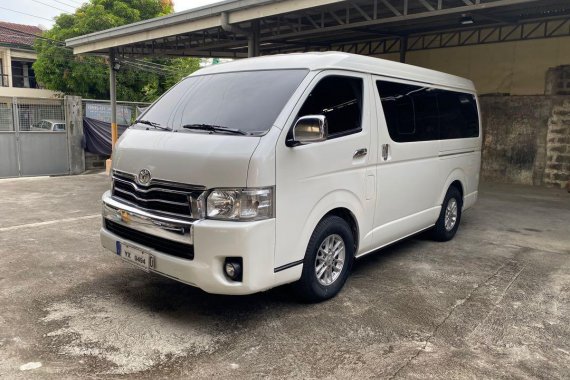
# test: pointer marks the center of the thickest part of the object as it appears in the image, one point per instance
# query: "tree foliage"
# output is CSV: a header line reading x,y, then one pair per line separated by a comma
x,y
182,67
56,68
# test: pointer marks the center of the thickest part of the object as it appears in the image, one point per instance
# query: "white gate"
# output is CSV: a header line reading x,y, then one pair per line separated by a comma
x,y
33,137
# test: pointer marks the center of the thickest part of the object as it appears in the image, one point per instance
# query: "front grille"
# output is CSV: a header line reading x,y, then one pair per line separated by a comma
x,y
185,251
160,197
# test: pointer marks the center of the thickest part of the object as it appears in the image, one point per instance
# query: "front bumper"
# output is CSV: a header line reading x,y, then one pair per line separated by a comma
x,y
212,242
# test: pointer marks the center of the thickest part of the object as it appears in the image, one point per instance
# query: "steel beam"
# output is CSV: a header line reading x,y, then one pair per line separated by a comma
x,y
531,30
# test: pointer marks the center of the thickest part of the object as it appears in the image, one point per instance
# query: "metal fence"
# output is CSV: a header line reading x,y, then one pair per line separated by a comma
x,y
33,137
100,110
33,134
38,114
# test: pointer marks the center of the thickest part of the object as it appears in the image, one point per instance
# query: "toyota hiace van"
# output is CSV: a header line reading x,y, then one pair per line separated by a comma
x,y
285,169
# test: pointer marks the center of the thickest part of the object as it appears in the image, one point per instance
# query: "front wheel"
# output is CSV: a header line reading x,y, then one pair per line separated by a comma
x,y
328,260
449,216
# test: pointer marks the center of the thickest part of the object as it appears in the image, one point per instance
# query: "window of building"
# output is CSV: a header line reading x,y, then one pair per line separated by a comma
x,y
339,98
23,75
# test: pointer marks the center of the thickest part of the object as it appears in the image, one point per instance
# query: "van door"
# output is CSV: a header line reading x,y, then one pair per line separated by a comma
x,y
312,179
408,176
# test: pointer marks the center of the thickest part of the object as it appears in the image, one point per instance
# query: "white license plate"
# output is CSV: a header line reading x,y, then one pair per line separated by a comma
x,y
136,256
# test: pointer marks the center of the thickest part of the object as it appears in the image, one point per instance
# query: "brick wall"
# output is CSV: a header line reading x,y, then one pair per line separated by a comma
x,y
557,171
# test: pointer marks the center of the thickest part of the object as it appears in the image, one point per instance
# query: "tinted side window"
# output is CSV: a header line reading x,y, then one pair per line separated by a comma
x,y
339,98
410,111
458,116
415,113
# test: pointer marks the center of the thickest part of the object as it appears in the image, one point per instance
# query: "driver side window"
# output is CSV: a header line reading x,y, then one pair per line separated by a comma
x,y
339,98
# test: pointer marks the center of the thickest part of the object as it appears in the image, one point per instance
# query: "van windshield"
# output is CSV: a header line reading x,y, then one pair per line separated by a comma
x,y
248,101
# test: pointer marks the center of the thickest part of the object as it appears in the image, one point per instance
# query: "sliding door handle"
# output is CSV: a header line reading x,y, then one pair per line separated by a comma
x,y
385,151
360,153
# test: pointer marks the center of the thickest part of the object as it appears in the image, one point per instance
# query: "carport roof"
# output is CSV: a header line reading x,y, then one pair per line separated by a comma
x,y
303,25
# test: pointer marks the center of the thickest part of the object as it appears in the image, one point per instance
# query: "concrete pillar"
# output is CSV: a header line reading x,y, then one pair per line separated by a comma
x,y
4,61
9,67
74,128
253,40
403,48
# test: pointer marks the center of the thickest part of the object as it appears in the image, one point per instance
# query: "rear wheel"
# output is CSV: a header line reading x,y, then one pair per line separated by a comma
x,y
449,216
328,260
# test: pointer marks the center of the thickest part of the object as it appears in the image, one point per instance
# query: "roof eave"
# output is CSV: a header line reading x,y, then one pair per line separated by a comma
x,y
172,19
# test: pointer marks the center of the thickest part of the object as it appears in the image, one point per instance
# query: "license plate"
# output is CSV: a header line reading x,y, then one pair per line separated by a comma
x,y
136,256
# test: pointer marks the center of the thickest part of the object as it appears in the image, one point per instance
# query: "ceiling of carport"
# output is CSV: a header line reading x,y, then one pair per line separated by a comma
x,y
360,26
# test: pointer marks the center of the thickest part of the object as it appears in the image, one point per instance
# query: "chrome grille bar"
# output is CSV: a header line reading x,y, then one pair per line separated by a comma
x,y
159,196
151,199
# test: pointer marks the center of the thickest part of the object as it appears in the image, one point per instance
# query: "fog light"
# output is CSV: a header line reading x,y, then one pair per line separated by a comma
x,y
232,268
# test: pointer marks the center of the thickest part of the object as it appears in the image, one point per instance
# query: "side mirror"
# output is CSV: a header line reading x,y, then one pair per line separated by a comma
x,y
309,129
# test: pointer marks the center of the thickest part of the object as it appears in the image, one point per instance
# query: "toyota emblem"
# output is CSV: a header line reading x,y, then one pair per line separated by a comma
x,y
144,177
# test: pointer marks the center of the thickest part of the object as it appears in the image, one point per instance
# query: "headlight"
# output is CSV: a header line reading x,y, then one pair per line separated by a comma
x,y
240,204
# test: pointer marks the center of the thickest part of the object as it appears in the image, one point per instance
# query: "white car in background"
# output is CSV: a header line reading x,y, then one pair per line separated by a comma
x,y
48,125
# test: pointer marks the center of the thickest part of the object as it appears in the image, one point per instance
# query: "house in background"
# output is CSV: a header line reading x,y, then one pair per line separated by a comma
x,y
17,55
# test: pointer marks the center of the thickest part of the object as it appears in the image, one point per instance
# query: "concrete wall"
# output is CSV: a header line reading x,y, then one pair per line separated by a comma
x,y
29,93
527,134
526,139
516,68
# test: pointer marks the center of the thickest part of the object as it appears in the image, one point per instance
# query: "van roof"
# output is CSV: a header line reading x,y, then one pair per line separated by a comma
x,y
341,61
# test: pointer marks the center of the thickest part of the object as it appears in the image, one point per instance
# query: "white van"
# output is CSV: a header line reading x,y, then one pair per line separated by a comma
x,y
267,171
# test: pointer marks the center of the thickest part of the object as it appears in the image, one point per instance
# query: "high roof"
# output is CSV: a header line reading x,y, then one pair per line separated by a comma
x,y
341,61
18,35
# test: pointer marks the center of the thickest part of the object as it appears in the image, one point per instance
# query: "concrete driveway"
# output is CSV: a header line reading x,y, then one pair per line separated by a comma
x,y
492,303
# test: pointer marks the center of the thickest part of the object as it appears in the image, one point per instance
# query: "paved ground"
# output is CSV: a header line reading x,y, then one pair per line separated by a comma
x,y
492,303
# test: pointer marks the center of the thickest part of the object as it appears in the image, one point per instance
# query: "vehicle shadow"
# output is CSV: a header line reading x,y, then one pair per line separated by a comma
x,y
153,293
373,260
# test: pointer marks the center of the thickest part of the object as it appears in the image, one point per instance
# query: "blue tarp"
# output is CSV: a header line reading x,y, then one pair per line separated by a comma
x,y
97,136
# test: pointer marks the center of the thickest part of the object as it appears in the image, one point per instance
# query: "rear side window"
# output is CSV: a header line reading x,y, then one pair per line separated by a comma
x,y
416,113
339,98
457,115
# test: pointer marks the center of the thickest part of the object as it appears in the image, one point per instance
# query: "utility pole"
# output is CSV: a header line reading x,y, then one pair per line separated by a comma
x,y
113,68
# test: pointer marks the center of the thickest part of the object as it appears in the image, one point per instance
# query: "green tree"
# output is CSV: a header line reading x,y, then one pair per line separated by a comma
x,y
57,69
181,67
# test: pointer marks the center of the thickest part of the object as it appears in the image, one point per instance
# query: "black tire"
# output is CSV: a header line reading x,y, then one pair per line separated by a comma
x,y
309,287
440,232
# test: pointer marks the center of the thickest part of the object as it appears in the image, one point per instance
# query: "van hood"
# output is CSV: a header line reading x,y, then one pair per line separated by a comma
x,y
211,160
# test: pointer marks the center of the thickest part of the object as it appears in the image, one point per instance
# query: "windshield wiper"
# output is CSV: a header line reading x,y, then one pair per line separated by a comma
x,y
153,124
214,128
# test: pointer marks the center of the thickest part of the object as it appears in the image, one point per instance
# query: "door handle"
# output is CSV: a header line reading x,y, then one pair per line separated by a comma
x,y
385,151
360,153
